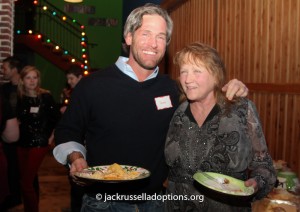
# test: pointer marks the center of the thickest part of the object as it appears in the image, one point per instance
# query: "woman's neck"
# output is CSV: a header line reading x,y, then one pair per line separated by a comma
x,y
201,110
31,93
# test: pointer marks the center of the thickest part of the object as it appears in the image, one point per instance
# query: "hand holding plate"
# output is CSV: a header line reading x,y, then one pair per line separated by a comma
x,y
78,165
251,183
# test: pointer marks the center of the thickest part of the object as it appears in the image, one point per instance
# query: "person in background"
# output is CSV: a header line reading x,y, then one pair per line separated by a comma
x,y
11,67
211,134
74,75
9,126
124,112
38,114
9,130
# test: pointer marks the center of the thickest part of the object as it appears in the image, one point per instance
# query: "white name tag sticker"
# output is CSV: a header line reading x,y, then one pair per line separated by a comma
x,y
34,109
163,102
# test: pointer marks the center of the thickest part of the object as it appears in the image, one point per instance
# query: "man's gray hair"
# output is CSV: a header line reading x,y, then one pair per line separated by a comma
x,y
134,20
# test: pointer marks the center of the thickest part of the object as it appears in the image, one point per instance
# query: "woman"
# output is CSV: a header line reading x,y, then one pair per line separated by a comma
x,y
210,133
38,114
9,131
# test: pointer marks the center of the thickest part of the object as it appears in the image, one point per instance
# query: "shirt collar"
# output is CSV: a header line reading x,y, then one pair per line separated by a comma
x,y
121,63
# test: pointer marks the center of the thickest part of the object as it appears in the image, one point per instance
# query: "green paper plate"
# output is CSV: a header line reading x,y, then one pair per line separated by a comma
x,y
223,183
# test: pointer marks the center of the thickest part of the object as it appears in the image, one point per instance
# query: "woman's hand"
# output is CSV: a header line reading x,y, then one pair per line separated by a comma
x,y
51,140
251,182
63,109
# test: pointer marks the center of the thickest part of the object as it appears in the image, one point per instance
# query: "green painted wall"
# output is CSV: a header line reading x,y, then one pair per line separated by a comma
x,y
52,78
106,42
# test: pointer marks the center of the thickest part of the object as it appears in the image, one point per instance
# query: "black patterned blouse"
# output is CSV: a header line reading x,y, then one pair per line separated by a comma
x,y
38,117
230,142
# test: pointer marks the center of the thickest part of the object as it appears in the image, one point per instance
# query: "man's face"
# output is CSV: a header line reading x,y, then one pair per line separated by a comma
x,y
148,43
7,71
73,80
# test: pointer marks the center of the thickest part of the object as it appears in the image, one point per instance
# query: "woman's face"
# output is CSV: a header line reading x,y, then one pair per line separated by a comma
x,y
30,81
197,82
73,80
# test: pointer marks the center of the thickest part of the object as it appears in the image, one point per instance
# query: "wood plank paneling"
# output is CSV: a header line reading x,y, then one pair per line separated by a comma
x,y
259,41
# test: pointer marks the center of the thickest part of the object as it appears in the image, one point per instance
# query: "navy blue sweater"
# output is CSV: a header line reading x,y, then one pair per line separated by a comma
x,y
121,123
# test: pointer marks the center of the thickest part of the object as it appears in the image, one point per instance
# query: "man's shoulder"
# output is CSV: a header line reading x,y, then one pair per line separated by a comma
x,y
97,78
167,81
7,86
100,73
166,77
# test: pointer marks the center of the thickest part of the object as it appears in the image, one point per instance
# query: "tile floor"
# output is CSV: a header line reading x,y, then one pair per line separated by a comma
x,y
54,187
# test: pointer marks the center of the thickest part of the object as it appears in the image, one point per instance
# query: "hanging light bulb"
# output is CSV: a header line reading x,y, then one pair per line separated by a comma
x,y
73,1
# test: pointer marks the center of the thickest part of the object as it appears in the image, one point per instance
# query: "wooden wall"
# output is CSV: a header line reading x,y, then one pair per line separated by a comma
x,y
259,41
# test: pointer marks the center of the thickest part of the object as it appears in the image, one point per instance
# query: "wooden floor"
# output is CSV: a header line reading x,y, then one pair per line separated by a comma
x,y
54,187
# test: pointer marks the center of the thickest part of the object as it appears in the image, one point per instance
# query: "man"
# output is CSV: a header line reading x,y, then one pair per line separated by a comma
x,y
124,113
11,68
74,74
9,130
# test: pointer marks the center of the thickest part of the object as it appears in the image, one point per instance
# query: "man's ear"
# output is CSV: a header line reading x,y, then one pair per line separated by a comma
x,y
128,39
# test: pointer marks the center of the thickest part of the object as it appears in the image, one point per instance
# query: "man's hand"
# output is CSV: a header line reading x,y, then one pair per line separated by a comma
x,y
235,88
77,164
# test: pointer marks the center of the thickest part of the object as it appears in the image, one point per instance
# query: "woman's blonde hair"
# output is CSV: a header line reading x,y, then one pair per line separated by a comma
x,y
23,74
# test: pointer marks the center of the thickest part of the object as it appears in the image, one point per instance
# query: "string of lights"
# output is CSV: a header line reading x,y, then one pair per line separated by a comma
x,y
65,19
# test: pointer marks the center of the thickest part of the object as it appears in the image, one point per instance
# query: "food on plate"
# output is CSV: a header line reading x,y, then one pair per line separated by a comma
x,y
278,200
232,188
270,205
224,184
225,181
113,172
283,194
281,207
279,164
